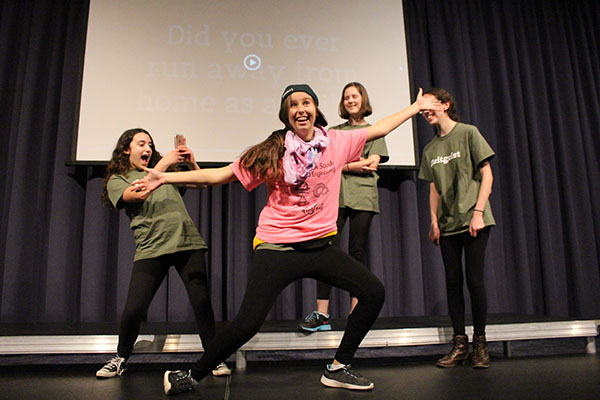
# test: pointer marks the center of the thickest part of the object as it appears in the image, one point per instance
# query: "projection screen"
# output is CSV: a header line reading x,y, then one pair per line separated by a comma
x,y
214,71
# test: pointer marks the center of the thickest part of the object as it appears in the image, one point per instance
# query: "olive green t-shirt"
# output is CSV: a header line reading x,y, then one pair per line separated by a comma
x,y
357,191
161,224
452,163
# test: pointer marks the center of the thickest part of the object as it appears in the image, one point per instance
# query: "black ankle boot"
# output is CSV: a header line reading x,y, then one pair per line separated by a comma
x,y
481,358
458,354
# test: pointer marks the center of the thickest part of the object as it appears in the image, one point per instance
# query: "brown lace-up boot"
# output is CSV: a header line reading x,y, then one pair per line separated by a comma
x,y
458,354
481,358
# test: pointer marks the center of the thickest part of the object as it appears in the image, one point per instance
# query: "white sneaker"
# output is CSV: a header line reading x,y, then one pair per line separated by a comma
x,y
221,370
115,366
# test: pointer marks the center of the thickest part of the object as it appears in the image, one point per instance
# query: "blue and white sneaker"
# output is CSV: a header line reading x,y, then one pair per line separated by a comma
x,y
315,321
346,378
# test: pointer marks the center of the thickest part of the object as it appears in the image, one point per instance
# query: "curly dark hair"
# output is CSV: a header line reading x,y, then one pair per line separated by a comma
x,y
119,163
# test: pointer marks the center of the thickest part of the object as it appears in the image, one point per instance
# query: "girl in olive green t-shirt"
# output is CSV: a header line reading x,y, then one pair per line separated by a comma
x,y
164,235
359,198
456,163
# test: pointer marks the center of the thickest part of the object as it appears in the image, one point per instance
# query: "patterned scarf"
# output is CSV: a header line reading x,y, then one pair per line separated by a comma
x,y
301,157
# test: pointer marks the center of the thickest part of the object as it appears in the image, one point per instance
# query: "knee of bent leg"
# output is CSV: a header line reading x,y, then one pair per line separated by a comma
x,y
376,293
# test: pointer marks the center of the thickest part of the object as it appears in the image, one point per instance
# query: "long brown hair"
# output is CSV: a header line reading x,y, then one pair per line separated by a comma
x,y
119,163
264,159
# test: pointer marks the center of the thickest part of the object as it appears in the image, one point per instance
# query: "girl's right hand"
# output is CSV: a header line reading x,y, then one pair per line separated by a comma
x,y
135,193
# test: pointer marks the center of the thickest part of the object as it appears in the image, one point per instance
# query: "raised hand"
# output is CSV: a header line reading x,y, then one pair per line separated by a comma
x,y
428,103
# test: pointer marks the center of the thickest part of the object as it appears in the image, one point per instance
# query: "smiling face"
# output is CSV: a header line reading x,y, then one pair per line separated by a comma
x,y
353,102
436,117
139,151
302,114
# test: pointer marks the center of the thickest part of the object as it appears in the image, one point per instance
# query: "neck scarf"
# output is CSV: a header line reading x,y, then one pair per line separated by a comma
x,y
300,157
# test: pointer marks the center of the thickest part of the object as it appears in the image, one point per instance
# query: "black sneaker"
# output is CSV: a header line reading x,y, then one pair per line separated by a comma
x,y
315,321
178,382
346,378
114,367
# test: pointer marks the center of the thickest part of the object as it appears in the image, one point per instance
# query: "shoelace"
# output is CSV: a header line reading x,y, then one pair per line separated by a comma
x,y
113,364
313,316
351,372
184,379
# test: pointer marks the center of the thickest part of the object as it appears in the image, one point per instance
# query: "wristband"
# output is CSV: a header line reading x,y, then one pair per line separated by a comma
x,y
481,211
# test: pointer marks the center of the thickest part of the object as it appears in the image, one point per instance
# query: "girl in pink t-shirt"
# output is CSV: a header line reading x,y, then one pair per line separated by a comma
x,y
301,165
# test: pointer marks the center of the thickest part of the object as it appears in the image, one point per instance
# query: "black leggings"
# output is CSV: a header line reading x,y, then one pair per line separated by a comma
x,y
271,272
360,222
474,247
147,277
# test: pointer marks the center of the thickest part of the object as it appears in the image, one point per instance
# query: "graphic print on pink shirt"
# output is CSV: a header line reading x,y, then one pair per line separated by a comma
x,y
296,213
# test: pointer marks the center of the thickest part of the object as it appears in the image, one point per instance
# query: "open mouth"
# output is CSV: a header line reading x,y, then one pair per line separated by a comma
x,y
145,158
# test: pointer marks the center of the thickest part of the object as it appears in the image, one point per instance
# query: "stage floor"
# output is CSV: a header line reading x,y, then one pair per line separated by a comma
x,y
571,376
556,368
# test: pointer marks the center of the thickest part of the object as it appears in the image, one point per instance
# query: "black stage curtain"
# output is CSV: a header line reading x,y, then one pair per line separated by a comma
x,y
526,73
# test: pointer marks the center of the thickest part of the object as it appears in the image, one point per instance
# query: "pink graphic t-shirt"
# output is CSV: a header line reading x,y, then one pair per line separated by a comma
x,y
297,213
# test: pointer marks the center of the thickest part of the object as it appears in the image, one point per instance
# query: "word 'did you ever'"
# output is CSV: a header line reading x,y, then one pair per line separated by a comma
x,y
188,36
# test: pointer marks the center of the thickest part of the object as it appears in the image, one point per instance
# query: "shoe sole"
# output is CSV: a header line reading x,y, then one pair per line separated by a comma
x,y
166,383
221,373
105,376
109,375
336,384
461,362
318,328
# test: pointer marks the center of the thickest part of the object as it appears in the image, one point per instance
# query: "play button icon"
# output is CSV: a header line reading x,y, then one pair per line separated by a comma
x,y
252,62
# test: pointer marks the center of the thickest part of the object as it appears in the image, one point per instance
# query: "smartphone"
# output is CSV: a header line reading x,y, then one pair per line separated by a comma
x,y
179,140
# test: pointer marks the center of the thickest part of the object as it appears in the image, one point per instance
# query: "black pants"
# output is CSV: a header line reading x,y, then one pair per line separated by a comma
x,y
271,272
360,222
474,249
147,277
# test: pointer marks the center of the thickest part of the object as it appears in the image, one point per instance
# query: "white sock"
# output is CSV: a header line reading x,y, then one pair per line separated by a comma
x,y
334,367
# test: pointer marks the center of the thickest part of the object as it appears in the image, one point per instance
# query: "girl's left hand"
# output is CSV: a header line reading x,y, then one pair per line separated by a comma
x,y
152,181
173,157
476,224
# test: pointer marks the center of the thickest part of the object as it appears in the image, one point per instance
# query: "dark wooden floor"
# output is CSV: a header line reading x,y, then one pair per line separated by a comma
x,y
567,376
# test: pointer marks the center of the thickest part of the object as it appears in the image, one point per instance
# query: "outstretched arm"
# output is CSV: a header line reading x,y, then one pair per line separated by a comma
x,y
208,176
388,124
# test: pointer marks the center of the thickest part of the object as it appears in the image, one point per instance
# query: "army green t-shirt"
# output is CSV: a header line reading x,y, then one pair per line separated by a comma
x,y
161,224
357,191
452,163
